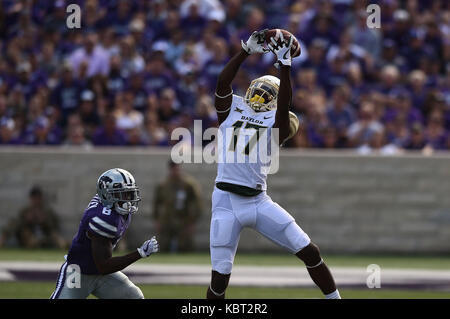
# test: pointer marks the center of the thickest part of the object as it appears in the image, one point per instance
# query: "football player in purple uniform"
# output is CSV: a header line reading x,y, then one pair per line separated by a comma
x,y
104,222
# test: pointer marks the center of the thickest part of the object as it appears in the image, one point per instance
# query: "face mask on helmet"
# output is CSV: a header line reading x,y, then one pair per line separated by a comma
x,y
126,200
261,96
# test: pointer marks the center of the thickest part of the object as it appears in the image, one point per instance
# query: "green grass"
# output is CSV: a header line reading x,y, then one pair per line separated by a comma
x,y
43,290
386,261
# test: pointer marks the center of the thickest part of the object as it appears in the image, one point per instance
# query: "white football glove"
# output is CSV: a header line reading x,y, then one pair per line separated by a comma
x,y
149,247
282,50
255,44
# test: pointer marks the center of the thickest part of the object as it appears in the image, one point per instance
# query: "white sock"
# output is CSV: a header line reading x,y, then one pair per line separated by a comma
x,y
334,295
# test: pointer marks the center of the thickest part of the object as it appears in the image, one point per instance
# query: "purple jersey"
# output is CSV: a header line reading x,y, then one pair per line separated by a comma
x,y
103,221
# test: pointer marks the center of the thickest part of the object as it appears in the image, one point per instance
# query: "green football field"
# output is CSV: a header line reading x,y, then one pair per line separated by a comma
x,y
25,289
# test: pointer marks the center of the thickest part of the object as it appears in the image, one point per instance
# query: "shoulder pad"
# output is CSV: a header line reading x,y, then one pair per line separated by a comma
x,y
104,223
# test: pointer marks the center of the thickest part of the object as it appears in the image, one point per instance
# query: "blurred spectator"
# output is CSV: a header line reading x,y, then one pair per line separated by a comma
x,y
36,226
191,19
417,81
66,95
157,76
320,27
8,133
203,49
154,133
358,87
136,89
95,58
362,131
389,85
168,109
316,113
390,55
206,9
377,145
131,60
136,137
187,62
117,78
316,58
330,138
108,134
340,113
367,39
235,15
127,117
436,135
76,137
219,58
120,16
177,208
417,139
88,111
40,129
206,112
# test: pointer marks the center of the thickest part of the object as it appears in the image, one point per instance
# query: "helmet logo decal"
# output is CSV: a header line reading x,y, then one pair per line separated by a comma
x,y
104,181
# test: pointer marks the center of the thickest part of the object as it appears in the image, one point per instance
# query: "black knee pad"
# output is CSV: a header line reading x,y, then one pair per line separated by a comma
x,y
310,255
219,282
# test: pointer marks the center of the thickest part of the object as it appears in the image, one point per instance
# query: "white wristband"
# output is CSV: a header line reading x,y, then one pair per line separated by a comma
x,y
225,96
224,111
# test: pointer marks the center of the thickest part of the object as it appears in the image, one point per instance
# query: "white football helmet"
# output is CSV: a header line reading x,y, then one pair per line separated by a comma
x,y
117,188
262,93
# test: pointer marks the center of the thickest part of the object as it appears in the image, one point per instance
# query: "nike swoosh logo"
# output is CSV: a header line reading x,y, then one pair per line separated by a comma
x,y
284,55
267,117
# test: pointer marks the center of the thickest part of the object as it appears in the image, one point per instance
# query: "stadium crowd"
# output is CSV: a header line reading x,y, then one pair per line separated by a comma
x,y
137,69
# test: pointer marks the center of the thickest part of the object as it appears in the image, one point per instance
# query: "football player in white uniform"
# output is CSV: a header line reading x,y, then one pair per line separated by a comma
x,y
239,198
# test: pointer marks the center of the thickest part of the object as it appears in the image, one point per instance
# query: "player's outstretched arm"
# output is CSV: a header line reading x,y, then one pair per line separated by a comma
x,y
224,91
282,120
282,50
102,249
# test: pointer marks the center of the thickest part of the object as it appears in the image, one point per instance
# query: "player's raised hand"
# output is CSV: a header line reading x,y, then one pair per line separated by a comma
x,y
255,44
282,50
149,247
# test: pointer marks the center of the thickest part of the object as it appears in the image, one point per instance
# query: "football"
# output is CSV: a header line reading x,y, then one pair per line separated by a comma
x,y
294,123
275,33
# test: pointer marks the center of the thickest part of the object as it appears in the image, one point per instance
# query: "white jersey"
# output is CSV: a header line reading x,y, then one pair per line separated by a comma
x,y
244,146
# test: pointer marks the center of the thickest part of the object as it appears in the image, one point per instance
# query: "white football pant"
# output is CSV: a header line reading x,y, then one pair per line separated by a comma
x,y
111,286
231,213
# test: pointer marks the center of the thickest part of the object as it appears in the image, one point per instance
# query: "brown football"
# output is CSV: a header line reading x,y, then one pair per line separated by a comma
x,y
275,33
